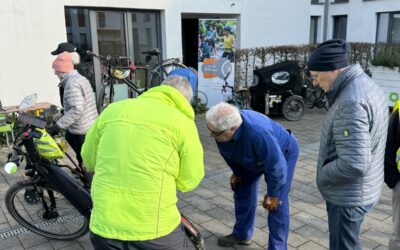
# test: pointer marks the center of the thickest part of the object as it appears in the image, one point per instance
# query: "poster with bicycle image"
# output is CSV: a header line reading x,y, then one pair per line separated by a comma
x,y
216,57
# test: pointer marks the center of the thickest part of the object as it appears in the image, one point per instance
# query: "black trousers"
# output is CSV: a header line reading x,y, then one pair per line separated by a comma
x,y
176,240
76,142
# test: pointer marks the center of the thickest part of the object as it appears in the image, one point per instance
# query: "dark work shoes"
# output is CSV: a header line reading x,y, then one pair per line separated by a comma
x,y
230,240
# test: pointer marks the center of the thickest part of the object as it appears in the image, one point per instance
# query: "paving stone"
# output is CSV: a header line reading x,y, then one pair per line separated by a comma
x,y
217,228
296,240
223,202
58,244
204,192
311,245
11,243
74,247
310,209
260,237
200,203
195,215
370,222
84,242
376,235
295,224
312,221
315,235
30,239
222,216
45,246
368,244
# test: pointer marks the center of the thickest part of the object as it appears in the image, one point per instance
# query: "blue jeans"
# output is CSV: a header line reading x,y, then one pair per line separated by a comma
x,y
246,203
344,226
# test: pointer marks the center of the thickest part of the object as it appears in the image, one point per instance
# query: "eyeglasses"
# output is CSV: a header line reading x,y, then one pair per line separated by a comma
x,y
312,77
216,134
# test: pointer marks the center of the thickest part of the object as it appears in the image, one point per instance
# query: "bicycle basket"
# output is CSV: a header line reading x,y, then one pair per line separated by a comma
x,y
47,146
121,73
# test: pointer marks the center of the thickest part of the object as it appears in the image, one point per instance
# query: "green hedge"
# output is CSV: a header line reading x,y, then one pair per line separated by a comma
x,y
363,53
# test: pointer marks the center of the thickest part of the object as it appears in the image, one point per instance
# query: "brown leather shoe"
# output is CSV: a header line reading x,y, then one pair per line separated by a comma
x,y
230,240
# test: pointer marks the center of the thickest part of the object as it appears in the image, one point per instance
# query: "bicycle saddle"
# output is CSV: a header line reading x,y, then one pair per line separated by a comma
x,y
153,52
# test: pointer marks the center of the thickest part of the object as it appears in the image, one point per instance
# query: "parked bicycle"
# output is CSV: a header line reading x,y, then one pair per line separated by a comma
x,y
239,98
59,206
119,69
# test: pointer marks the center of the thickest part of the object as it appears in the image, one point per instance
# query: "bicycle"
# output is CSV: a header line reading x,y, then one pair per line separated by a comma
x,y
238,98
120,68
49,202
62,205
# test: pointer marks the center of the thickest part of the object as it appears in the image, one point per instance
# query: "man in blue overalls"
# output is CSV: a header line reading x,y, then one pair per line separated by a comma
x,y
254,145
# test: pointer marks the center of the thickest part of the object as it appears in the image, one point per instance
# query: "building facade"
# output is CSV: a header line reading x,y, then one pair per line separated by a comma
x,y
32,29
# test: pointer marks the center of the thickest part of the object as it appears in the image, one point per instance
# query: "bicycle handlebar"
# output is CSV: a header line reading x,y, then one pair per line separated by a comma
x,y
108,57
226,86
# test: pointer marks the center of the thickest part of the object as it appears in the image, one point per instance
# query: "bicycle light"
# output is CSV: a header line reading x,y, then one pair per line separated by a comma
x,y
10,168
121,73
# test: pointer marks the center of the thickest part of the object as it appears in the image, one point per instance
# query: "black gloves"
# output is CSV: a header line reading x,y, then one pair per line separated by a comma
x,y
53,130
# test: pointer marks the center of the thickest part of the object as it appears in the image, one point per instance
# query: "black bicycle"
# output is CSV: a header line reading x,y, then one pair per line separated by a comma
x,y
49,202
52,202
118,70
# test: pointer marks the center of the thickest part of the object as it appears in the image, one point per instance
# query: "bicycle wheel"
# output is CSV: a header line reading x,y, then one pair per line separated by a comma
x,y
293,108
202,97
105,98
160,72
45,211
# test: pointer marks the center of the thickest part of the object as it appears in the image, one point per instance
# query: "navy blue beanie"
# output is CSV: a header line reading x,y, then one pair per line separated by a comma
x,y
329,55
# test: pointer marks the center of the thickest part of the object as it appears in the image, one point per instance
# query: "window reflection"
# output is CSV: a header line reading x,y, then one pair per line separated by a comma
x,y
110,33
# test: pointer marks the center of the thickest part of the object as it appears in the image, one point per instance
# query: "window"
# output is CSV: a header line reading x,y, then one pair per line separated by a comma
x,y
317,1
340,1
340,27
117,32
314,29
388,27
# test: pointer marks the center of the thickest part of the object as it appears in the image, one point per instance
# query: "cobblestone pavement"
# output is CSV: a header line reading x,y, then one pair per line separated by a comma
x,y
210,206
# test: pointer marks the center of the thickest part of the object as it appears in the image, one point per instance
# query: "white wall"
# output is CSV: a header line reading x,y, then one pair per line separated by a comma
x,y
274,22
361,17
31,29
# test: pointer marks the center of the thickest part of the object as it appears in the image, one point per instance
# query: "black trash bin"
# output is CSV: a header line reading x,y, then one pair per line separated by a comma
x,y
277,90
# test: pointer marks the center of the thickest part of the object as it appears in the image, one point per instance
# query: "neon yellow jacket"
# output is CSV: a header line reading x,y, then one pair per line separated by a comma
x,y
141,151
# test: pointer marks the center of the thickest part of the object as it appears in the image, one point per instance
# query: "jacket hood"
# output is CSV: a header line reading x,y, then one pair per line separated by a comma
x,y
341,82
172,97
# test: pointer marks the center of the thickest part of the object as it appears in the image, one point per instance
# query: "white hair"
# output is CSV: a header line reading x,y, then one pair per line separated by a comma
x,y
224,116
76,59
180,83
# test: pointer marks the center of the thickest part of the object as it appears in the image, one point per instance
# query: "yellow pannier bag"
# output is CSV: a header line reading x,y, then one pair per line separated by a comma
x,y
47,146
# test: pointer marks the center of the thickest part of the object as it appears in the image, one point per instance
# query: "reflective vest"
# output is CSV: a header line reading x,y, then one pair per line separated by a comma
x,y
47,146
396,107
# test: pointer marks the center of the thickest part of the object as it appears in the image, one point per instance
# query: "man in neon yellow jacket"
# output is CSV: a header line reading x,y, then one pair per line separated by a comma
x,y
142,150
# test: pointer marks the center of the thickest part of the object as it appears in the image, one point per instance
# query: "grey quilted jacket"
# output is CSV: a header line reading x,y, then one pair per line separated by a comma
x,y
79,104
352,147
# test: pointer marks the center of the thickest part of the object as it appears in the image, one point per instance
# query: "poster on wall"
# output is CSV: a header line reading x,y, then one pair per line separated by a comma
x,y
216,52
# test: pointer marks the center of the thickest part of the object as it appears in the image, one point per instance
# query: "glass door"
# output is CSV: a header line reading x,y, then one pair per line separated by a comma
x,y
111,40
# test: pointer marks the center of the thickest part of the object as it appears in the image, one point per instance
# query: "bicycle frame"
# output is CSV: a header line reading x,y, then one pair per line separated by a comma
x,y
236,98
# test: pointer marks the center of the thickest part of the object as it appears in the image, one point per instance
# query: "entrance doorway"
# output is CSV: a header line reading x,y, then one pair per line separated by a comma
x,y
190,33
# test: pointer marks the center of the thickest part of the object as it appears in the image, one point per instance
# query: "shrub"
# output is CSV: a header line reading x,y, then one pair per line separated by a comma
x,y
387,57
198,106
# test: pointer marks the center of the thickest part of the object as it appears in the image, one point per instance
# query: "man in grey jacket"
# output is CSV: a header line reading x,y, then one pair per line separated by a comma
x,y
79,103
352,146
